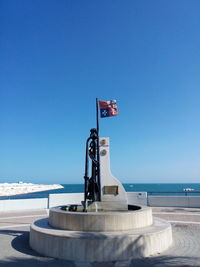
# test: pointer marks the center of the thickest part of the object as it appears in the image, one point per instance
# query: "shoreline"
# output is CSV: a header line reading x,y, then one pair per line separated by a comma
x,y
12,189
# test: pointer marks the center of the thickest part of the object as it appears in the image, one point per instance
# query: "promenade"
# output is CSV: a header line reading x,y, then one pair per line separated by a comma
x,y
185,251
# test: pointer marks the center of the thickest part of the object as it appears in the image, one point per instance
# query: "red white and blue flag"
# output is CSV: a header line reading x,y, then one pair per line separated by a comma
x,y
108,108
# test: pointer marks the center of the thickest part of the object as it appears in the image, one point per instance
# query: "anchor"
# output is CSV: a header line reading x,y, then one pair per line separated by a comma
x,y
92,184
102,190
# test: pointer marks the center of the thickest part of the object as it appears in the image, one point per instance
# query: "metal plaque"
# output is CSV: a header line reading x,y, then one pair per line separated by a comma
x,y
110,190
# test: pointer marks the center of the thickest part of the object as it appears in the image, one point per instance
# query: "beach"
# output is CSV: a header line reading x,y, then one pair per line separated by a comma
x,y
11,189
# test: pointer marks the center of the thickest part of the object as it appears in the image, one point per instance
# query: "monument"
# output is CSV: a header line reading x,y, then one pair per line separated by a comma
x,y
105,227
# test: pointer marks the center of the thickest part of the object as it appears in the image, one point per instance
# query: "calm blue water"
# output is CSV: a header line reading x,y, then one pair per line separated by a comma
x,y
152,189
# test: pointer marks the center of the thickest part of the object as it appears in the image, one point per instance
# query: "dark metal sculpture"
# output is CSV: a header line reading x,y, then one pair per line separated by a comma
x,y
92,183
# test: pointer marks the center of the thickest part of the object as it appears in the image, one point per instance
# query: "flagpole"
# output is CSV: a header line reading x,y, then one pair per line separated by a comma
x,y
98,156
97,116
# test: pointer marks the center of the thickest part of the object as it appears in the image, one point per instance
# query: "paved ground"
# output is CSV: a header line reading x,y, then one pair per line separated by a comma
x,y
185,251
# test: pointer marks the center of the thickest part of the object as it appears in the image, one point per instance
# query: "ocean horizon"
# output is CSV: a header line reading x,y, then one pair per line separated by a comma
x,y
150,188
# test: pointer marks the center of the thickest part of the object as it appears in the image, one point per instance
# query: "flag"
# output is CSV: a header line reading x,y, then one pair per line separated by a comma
x,y
108,108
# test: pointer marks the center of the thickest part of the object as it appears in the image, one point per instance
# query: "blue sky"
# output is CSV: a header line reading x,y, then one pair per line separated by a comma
x,y
56,57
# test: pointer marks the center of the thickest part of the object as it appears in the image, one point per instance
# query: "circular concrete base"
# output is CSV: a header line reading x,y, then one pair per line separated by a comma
x,y
100,246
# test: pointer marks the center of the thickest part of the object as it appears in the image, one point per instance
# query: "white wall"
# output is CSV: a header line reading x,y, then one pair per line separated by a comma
x,y
194,202
174,201
65,199
76,198
23,204
137,198
61,199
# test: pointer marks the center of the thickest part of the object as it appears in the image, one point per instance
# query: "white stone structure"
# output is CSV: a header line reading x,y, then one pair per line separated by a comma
x,y
113,194
107,232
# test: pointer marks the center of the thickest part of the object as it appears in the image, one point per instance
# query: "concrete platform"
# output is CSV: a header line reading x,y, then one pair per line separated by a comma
x,y
101,246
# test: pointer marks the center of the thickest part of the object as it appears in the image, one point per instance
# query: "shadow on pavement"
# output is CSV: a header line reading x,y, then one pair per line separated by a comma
x,y
20,262
21,244
29,257
148,262
20,241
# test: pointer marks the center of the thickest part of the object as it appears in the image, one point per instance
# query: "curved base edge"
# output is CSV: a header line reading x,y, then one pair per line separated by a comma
x,y
100,247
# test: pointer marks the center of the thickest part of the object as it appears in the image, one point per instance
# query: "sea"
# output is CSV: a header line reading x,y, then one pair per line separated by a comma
x,y
170,189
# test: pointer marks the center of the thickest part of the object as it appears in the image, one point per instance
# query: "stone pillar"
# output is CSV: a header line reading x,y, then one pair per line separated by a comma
x,y
113,194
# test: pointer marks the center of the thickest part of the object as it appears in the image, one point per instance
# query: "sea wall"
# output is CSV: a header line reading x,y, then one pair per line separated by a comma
x,y
54,200
23,204
137,198
65,199
174,201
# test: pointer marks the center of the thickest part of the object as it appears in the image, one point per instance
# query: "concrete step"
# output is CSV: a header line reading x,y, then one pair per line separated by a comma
x,y
100,246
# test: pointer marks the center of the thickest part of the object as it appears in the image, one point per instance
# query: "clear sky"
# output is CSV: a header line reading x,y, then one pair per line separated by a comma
x,y
56,57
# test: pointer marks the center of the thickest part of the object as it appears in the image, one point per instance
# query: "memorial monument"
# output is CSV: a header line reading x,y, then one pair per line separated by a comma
x,y
105,227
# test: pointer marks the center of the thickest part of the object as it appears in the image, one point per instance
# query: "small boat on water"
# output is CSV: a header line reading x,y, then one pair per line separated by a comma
x,y
188,189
